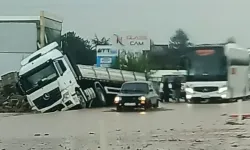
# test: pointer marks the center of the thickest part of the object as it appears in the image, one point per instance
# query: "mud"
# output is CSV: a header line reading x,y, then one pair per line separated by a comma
x,y
185,127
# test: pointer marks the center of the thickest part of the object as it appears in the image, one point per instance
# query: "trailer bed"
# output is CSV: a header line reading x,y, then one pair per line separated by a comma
x,y
109,75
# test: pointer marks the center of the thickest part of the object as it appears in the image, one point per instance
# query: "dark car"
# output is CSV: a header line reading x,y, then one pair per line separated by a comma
x,y
137,94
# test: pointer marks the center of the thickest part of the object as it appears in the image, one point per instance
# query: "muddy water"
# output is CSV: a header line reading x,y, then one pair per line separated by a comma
x,y
173,126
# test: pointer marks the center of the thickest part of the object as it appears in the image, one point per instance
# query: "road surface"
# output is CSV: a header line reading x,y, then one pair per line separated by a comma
x,y
172,126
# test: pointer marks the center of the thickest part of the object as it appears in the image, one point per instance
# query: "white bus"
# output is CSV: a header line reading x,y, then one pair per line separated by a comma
x,y
216,72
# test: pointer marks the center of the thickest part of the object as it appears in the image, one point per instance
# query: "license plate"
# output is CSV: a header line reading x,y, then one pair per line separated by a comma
x,y
205,96
129,104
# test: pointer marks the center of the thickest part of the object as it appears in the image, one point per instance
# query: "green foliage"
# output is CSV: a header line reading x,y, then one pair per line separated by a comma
x,y
131,62
79,49
82,51
231,40
103,41
179,40
134,63
116,63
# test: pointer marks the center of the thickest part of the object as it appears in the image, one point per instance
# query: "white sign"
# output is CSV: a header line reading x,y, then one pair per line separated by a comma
x,y
131,41
105,60
106,50
105,65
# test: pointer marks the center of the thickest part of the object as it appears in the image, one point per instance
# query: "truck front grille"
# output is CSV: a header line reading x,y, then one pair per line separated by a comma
x,y
206,89
48,99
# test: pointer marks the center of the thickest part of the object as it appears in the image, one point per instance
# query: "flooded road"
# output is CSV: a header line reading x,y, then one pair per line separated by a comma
x,y
172,126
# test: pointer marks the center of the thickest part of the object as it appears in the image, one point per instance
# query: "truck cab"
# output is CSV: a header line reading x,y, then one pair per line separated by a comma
x,y
48,81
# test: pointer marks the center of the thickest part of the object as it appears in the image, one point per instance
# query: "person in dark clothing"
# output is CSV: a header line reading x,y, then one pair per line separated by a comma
x,y
166,91
176,86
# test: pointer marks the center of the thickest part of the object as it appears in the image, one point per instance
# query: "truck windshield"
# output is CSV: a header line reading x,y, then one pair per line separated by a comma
x,y
38,77
206,64
135,88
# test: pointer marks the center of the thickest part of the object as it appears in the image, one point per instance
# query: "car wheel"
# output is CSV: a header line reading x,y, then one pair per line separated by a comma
x,y
118,108
148,105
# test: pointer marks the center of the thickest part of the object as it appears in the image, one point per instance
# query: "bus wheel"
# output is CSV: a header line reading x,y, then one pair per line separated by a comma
x,y
191,101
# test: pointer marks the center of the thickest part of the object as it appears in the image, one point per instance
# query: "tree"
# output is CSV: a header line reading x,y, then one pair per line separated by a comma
x,y
78,49
179,40
103,41
116,63
231,40
134,62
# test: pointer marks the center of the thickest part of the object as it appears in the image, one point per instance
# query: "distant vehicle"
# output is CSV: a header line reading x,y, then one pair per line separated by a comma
x,y
137,94
216,72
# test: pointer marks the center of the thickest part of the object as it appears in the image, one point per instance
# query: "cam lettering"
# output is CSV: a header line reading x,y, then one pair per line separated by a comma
x,y
136,43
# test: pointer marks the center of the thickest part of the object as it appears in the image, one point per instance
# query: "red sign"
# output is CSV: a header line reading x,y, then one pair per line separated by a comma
x,y
205,52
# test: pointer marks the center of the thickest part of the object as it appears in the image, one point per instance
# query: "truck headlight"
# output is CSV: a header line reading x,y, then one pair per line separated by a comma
x,y
189,90
66,95
117,99
222,89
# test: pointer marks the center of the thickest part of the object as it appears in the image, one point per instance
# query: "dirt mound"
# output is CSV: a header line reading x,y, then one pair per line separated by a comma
x,y
14,103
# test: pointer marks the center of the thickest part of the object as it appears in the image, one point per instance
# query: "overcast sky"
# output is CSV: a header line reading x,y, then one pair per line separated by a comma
x,y
205,21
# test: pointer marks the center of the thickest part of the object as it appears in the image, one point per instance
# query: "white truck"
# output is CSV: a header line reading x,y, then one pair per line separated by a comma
x,y
51,81
216,72
22,35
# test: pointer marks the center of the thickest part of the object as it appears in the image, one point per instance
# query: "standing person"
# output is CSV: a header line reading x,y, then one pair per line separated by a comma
x,y
166,90
176,89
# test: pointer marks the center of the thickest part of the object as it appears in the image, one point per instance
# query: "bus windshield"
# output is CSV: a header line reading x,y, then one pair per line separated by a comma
x,y
206,64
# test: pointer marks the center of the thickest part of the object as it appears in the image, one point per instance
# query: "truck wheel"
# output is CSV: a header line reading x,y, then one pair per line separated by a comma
x,y
82,102
100,97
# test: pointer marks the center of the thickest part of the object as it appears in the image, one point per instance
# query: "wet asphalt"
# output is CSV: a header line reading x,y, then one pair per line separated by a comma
x,y
173,126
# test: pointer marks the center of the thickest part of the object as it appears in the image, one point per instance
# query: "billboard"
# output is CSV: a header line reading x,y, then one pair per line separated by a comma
x,y
133,41
105,55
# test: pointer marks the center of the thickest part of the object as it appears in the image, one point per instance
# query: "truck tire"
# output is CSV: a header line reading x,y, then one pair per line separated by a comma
x,y
82,102
101,100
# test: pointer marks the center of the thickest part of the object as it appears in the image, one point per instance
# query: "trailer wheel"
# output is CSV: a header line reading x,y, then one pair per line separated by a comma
x,y
82,102
100,96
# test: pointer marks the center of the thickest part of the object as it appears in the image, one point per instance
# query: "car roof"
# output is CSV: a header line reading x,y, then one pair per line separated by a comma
x,y
146,82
